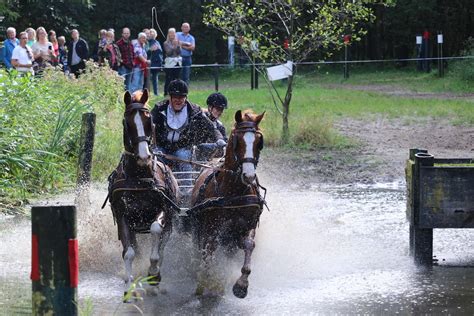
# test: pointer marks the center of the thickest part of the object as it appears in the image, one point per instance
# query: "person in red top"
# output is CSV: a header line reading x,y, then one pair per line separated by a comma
x,y
109,51
126,51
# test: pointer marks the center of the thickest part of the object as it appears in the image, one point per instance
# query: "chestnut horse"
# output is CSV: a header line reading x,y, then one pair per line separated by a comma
x,y
226,204
143,191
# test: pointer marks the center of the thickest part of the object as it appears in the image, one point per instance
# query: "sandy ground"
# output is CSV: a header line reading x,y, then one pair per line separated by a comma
x,y
382,147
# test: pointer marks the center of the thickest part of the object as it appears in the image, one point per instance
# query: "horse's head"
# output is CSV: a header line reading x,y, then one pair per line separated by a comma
x,y
246,142
138,126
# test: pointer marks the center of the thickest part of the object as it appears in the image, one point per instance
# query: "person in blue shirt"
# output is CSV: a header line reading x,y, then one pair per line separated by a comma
x,y
188,44
9,45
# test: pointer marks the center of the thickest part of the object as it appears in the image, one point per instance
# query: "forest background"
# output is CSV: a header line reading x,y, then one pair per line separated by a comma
x,y
391,36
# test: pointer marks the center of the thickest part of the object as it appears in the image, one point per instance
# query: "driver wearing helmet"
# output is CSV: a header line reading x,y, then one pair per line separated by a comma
x,y
180,124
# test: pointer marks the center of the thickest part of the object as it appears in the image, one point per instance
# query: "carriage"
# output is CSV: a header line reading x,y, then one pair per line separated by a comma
x,y
220,204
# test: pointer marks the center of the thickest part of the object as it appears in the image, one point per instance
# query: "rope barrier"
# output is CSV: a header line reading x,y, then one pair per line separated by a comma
x,y
307,63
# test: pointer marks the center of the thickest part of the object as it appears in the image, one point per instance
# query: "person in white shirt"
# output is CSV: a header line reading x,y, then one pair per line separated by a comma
x,y
43,49
22,56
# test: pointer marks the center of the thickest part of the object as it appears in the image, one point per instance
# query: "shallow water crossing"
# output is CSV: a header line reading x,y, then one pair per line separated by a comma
x,y
321,249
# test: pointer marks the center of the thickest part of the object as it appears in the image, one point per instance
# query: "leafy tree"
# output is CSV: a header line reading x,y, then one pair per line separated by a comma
x,y
307,26
59,15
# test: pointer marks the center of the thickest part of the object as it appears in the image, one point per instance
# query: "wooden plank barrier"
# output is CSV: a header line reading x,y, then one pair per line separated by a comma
x,y
440,195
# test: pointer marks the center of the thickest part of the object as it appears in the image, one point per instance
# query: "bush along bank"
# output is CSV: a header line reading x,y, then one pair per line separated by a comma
x,y
40,129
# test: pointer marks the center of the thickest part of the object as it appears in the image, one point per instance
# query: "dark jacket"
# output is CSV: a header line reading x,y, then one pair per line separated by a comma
x,y
218,125
82,50
155,56
199,129
105,54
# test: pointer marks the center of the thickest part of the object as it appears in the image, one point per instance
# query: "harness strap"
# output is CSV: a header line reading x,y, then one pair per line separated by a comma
x,y
227,203
174,158
251,160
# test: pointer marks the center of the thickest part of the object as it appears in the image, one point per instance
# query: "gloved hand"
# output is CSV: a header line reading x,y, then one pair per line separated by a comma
x,y
221,143
157,152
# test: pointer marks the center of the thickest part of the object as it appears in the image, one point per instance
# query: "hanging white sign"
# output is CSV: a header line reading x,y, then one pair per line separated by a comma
x,y
280,72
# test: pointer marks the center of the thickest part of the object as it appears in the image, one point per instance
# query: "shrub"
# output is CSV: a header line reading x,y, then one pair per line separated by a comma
x,y
40,130
464,68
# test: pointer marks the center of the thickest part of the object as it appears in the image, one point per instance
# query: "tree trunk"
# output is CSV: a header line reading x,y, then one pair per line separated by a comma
x,y
285,136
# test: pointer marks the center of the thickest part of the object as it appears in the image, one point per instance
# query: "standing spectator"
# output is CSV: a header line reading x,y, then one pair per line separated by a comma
x,y
100,42
173,58
156,57
147,33
9,45
62,52
54,41
22,56
31,36
188,44
78,50
140,62
110,52
126,51
42,49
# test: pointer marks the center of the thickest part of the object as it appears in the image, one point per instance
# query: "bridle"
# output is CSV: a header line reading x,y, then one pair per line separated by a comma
x,y
136,106
244,127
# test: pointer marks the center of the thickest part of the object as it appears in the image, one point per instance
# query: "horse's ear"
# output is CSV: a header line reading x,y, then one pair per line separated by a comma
x,y
127,98
259,118
238,116
145,96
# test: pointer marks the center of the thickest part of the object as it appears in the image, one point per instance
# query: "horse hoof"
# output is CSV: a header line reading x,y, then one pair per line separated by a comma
x,y
239,291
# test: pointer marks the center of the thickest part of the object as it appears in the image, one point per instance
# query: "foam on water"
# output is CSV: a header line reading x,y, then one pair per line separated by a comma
x,y
321,249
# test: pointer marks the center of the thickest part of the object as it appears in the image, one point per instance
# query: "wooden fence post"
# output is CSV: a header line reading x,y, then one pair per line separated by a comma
x,y
422,238
85,153
216,77
54,260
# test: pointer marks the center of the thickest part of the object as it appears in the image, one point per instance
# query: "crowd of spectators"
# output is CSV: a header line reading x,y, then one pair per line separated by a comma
x,y
34,50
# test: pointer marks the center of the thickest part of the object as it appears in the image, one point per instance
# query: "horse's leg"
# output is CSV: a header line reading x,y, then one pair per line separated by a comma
x,y
160,235
204,279
240,287
127,237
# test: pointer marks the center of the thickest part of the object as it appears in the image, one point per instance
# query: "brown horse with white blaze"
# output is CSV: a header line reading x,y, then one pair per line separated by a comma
x,y
226,202
142,190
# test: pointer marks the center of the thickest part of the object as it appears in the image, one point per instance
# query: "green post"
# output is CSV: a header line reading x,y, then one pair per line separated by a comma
x,y
54,260
85,153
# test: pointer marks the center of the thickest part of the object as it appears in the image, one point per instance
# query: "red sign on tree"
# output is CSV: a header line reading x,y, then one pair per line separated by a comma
x,y
347,39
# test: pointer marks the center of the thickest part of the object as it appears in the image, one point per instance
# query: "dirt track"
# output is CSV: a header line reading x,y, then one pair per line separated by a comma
x,y
381,153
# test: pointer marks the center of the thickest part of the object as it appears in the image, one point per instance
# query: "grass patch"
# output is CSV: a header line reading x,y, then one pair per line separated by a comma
x,y
39,134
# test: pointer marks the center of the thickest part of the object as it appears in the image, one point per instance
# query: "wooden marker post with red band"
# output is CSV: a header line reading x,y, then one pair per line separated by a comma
x,y
54,260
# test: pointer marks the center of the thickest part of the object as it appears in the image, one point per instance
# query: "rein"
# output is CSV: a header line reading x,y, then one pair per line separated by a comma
x,y
174,158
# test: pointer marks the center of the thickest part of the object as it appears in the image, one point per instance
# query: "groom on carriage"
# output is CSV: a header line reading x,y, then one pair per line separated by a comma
x,y
180,125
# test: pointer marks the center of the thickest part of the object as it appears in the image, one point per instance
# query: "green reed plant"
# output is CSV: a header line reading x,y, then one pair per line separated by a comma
x,y
40,130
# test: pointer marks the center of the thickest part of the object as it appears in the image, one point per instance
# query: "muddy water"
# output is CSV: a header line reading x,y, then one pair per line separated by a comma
x,y
322,249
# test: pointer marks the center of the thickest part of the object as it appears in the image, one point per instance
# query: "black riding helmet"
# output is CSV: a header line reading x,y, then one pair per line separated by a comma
x,y
217,99
178,87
